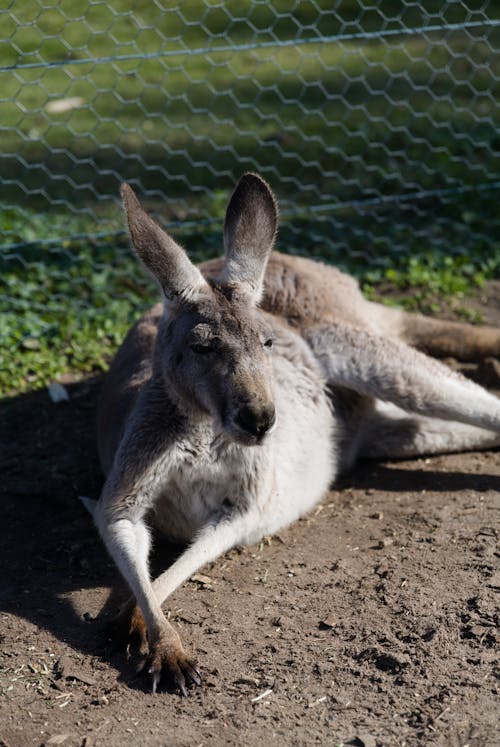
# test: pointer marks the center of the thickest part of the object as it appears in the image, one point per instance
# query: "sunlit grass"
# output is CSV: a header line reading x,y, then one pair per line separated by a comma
x,y
330,125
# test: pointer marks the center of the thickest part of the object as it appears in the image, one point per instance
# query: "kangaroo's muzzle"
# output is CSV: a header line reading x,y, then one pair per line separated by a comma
x,y
256,420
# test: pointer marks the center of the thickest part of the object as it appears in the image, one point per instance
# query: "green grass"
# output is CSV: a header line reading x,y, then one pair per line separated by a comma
x,y
326,123
353,118
432,284
66,309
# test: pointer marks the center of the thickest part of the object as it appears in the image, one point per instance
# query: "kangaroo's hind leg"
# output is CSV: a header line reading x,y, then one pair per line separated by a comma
x,y
391,371
389,432
438,337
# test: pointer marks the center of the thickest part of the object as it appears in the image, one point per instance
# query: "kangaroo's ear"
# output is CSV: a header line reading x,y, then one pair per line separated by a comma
x,y
249,233
161,255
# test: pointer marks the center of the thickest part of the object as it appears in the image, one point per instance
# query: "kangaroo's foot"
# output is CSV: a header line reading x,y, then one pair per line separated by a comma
x,y
127,630
164,654
167,655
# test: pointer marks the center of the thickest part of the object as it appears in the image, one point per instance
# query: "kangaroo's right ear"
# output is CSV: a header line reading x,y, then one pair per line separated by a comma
x,y
249,234
161,255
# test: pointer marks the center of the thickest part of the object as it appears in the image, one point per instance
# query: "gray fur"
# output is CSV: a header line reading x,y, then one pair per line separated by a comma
x,y
249,233
161,255
219,439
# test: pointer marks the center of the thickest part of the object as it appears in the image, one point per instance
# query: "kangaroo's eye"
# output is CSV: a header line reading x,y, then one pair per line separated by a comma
x,y
268,343
201,349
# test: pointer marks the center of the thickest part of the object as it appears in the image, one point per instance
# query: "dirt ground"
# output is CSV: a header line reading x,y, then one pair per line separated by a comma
x,y
371,622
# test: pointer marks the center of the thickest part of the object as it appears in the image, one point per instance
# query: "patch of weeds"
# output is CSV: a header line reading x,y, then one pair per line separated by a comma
x,y
472,316
65,310
66,307
431,283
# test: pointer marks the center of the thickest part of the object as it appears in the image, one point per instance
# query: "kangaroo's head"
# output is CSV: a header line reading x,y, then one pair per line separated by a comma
x,y
214,346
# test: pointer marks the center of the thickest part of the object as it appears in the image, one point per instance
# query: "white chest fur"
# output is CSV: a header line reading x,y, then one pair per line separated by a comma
x,y
282,479
211,477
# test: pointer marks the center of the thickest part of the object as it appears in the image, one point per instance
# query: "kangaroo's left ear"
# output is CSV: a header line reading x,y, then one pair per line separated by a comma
x,y
249,234
162,256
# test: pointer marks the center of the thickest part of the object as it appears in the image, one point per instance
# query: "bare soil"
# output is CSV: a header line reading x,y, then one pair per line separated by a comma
x,y
371,622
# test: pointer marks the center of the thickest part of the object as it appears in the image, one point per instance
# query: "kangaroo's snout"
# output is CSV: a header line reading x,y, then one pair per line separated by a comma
x,y
256,420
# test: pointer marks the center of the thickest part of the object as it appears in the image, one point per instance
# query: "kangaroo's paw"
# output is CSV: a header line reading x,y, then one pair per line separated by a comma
x,y
167,655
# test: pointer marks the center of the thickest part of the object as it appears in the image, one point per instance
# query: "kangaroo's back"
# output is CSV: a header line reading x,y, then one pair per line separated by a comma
x,y
306,292
130,370
302,293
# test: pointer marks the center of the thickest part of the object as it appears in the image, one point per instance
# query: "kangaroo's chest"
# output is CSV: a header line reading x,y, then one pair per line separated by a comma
x,y
208,480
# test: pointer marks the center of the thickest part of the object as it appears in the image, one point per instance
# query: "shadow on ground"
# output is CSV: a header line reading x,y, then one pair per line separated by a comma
x,y
51,548
385,591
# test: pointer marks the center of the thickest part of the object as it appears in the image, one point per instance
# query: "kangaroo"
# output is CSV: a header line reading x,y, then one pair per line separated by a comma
x,y
233,405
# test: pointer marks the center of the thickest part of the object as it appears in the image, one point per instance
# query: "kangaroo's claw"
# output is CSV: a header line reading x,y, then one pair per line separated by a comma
x,y
193,673
167,655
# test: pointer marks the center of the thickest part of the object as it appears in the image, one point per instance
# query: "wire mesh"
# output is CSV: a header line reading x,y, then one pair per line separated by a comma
x,y
375,122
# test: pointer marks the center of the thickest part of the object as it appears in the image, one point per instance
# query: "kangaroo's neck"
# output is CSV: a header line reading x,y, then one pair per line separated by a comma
x,y
198,426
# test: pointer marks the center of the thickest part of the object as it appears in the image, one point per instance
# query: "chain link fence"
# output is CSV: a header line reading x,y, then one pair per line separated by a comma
x,y
376,123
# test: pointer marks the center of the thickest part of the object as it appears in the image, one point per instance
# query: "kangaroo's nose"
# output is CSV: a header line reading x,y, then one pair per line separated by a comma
x,y
256,420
